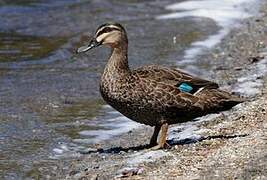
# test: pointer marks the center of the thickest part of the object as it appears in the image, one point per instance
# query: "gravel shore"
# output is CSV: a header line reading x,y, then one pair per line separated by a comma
x,y
229,145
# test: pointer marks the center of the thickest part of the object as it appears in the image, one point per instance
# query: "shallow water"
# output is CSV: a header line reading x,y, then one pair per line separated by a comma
x,y
50,104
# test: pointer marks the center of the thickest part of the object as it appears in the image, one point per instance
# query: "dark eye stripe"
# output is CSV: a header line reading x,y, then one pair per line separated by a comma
x,y
106,30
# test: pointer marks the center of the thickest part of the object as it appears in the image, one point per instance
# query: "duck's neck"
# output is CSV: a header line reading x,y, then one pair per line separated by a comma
x,y
118,62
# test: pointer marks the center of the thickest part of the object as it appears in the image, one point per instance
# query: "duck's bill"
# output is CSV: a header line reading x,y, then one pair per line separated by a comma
x,y
91,45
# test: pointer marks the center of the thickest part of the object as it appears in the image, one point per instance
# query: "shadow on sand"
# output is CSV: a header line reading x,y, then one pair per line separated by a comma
x,y
172,143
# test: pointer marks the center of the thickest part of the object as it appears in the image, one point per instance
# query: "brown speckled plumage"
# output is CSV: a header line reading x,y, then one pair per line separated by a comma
x,y
150,94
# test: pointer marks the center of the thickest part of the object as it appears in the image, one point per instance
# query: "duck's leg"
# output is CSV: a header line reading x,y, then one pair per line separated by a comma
x,y
162,140
153,140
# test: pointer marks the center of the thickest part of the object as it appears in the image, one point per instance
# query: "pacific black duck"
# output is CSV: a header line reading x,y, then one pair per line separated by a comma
x,y
153,95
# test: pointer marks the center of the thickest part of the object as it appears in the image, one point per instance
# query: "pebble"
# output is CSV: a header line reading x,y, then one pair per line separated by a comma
x,y
255,59
127,172
238,68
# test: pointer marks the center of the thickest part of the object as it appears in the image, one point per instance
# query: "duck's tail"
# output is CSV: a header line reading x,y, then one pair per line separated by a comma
x,y
219,100
232,101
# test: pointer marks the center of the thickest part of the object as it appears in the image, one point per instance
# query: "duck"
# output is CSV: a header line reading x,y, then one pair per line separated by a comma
x,y
153,95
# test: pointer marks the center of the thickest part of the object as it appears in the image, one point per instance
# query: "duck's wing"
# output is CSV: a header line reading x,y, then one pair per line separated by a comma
x,y
172,77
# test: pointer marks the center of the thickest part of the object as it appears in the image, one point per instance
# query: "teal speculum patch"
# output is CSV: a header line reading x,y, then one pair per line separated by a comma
x,y
184,87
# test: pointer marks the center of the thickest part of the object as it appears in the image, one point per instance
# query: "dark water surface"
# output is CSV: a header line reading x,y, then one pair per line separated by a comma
x,y
49,99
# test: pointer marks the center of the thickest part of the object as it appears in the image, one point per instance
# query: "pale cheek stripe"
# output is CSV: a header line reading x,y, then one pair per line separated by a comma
x,y
101,37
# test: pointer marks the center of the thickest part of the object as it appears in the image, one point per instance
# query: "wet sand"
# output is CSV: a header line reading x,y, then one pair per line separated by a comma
x,y
229,145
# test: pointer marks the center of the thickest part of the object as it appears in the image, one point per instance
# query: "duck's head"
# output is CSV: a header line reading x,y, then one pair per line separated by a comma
x,y
111,34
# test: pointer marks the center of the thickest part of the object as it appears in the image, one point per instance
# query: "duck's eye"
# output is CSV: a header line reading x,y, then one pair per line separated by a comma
x,y
105,30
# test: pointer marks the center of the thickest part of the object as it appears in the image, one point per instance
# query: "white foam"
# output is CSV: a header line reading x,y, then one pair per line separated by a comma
x,y
188,132
58,151
118,126
212,40
249,85
226,13
190,54
65,150
249,89
207,4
